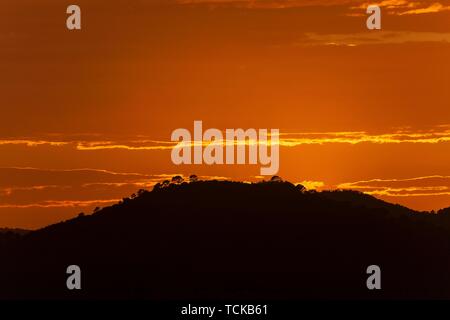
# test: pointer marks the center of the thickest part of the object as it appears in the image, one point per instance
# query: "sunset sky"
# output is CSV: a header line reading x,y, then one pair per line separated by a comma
x,y
87,116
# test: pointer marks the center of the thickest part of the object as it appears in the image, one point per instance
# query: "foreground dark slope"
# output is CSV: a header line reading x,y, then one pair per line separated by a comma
x,y
229,240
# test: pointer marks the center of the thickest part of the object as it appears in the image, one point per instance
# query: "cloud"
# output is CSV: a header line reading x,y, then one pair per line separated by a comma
x,y
60,204
267,4
23,188
131,145
32,143
438,134
297,139
394,7
403,7
26,176
373,38
433,8
312,185
435,185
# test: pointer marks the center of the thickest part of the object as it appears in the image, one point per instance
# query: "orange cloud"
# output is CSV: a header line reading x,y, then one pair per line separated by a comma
x,y
60,204
435,7
297,139
440,134
311,185
32,143
23,188
395,7
267,4
373,38
435,185
403,7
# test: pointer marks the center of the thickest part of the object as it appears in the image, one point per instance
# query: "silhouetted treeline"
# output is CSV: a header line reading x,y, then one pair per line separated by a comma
x,y
230,240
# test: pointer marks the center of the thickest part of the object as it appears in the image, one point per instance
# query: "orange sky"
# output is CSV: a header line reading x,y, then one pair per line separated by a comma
x,y
87,115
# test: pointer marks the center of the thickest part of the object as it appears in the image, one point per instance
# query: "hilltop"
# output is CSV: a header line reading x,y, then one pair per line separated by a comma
x,y
231,240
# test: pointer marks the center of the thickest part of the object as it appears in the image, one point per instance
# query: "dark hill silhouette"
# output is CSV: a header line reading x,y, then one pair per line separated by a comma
x,y
230,240
13,230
